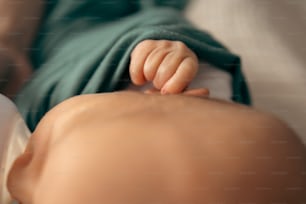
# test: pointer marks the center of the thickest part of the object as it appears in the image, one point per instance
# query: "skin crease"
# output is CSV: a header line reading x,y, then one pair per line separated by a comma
x,y
162,148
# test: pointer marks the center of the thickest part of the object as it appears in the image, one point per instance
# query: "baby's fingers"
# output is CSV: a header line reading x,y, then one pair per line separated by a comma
x,y
182,77
138,59
153,62
167,69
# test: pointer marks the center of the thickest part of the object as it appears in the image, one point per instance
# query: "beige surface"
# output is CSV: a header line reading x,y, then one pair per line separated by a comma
x,y
270,36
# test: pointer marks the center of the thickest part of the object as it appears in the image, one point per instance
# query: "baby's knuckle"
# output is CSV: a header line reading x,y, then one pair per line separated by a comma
x,y
147,42
145,45
165,43
189,65
180,45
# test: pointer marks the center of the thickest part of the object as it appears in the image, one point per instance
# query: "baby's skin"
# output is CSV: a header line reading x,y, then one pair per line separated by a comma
x,y
135,148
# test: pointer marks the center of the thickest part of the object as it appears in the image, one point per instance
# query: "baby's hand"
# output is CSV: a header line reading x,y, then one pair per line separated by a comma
x,y
170,65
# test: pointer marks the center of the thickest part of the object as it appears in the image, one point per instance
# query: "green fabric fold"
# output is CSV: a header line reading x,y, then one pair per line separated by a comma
x,y
81,52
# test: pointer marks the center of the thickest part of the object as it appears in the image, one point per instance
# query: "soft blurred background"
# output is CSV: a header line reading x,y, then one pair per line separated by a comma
x,y
270,36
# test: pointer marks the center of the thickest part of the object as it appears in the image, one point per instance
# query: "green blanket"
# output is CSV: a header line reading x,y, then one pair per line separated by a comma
x,y
84,46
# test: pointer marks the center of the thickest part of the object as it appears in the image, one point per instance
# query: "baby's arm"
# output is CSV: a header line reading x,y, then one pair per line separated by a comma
x,y
170,65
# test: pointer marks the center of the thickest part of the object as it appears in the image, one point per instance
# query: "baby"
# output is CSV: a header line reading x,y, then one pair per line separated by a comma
x,y
171,144
171,67
161,149
167,146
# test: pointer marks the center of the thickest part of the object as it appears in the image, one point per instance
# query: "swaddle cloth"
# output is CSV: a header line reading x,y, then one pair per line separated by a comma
x,y
14,135
84,47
